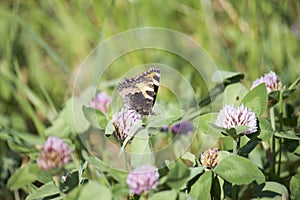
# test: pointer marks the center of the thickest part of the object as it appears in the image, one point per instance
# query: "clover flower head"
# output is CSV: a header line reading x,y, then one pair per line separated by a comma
x,y
142,179
101,101
209,158
124,121
184,127
165,129
271,81
55,154
230,117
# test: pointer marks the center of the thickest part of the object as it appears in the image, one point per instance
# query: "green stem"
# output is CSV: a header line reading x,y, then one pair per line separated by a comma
x,y
125,160
236,147
280,111
279,158
234,192
238,144
280,129
272,118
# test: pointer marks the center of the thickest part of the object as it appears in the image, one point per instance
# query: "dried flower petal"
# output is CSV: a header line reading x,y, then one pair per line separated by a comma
x,y
142,179
230,117
54,154
209,158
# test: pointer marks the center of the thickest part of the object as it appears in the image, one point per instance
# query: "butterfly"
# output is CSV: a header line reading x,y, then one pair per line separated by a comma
x,y
139,92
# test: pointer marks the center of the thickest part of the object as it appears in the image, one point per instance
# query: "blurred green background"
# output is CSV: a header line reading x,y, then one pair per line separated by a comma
x,y
43,43
48,40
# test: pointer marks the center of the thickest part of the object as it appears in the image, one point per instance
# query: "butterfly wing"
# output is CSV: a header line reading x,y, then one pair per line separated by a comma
x,y
139,93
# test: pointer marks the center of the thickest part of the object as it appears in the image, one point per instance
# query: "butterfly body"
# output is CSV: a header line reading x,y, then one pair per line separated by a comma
x,y
139,93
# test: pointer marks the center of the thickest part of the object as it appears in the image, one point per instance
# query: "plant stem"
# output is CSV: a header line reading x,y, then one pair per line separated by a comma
x,y
236,147
272,118
280,129
238,144
125,161
234,192
279,158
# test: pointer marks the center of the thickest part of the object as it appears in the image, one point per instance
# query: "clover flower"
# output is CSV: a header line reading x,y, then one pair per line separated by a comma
x,y
184,127
165,129
209,158
230,117
101,102
271,81
142,179
124,121
55,154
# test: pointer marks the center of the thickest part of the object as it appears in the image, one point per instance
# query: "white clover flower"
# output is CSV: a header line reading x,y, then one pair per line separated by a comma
x,y
124,121
230,117
271,81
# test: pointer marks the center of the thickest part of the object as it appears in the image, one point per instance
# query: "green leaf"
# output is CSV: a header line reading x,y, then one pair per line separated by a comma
x,y
203,123
21,141
294,186
94,191
217,188
73,115
163,115
95,117
227,78
239,170
118,175
184,196
266,130
59,128
110,128
195,171
189,156
44,177
169,194
294,84
23,176
257,100
71,182
141,152
47,190
266,189
234,94
221,75
248,147
178,176
288,135
224,154
73,195
120,190
201,188
241,129
95,162
22,138
69,120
